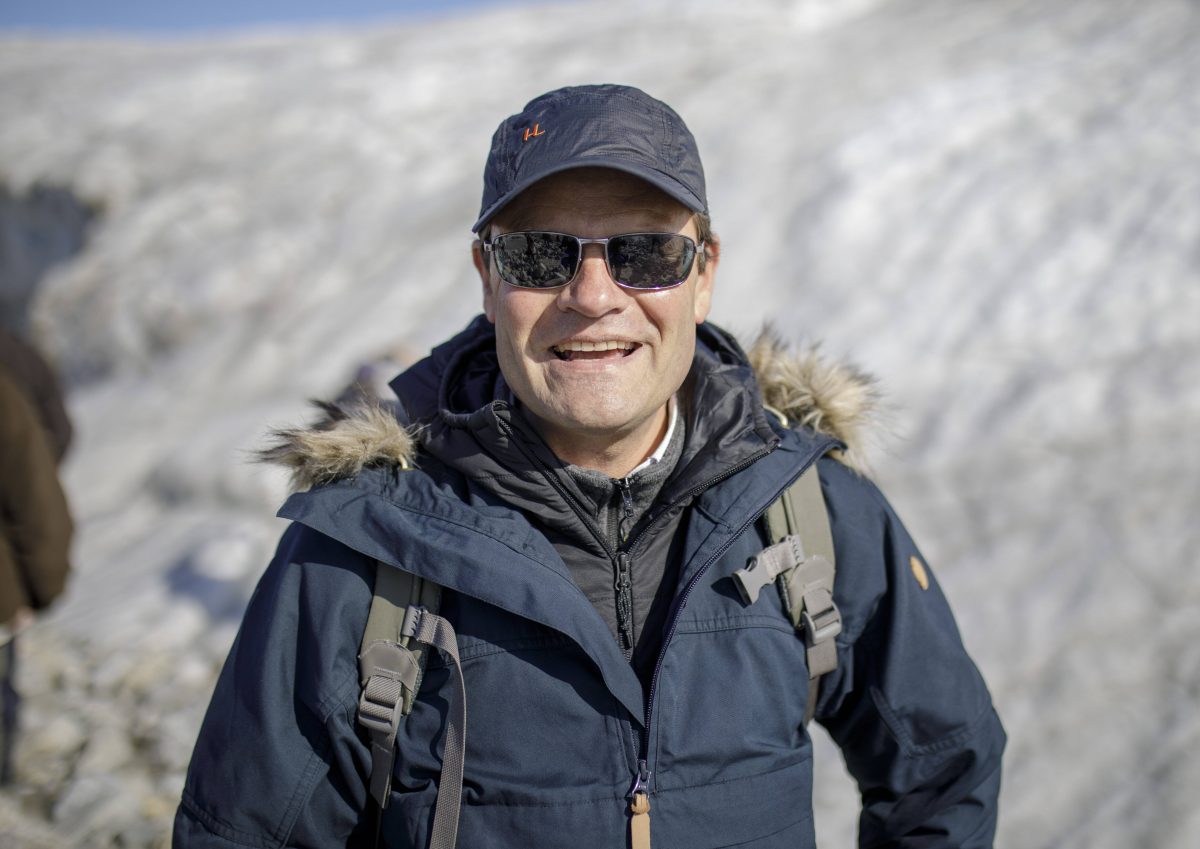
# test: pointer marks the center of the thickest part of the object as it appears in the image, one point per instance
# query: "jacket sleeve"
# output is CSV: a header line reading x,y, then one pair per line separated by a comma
x,y
907,705
37,527
31,373
278,762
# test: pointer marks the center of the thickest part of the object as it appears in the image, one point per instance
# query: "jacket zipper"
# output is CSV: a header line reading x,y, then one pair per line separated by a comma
x,y
673,618
623,578
639,792
639,808
625,520
623,563
623,584
641,784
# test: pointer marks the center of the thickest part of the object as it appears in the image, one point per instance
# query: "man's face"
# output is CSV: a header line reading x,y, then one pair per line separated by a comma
x,y
617,395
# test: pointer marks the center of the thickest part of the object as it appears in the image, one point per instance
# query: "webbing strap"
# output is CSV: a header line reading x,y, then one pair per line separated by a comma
x,y
801,511
811,583
389,670
390,667
401,622
431,629
395,591
386,670
798,528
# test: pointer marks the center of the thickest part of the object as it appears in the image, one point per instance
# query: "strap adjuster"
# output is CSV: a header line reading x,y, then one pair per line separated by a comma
x,y
823,624
386,670
379,706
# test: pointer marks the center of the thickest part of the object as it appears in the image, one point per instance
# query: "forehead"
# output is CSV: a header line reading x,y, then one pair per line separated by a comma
x,y
600,199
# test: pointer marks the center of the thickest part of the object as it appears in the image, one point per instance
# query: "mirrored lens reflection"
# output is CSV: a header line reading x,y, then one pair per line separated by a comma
x,y
650,260
536,260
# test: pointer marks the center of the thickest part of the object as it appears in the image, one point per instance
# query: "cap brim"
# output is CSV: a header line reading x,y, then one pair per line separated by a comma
x,y
658,179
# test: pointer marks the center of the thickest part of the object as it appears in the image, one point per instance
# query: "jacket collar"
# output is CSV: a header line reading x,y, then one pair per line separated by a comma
x,y
467,419
459,387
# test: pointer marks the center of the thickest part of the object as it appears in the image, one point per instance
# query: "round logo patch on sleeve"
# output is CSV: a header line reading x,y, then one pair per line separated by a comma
x,y
918,570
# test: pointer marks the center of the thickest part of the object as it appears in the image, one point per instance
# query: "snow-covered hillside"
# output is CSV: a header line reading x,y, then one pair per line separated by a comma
x,y
994,207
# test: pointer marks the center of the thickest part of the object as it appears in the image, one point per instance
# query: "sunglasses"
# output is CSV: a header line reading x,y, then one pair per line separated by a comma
x,y
645,261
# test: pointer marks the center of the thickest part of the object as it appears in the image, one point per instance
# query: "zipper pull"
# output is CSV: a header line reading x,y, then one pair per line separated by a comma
x,y
623,526
639,822
624,588
622,579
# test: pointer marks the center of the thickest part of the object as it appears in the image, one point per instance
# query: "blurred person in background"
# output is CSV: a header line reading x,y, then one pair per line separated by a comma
x,y
37,380
35,525
574,495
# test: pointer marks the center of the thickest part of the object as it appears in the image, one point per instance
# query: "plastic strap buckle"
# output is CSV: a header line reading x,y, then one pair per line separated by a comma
x,y
768,565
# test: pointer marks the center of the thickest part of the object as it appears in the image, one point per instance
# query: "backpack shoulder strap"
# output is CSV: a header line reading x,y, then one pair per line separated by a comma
x,y
801,511
402,625
801,561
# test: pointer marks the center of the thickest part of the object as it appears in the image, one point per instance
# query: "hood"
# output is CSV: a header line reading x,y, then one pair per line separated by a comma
x,y
802,388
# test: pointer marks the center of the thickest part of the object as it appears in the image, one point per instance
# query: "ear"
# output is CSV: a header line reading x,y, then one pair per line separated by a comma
x,y
702,294
483,267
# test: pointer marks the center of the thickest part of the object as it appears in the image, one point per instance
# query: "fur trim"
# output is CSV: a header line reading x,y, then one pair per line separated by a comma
x,y
802,389
341,444
806,389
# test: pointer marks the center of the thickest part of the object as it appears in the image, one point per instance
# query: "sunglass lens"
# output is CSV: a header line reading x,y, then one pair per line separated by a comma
x,y
651,260
536,260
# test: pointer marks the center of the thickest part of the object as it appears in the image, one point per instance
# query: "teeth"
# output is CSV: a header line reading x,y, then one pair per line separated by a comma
x,y
608,345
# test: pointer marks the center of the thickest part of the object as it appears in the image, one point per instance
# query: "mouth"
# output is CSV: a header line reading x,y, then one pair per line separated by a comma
x,y
606,349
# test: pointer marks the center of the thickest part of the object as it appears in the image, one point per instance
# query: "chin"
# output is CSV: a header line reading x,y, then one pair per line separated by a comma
x,y
597,421
588,422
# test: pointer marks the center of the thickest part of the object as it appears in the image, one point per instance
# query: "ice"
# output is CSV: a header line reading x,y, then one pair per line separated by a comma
x,y
994,207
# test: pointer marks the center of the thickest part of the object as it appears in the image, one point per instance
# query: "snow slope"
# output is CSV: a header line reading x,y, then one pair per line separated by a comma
x,y
994,207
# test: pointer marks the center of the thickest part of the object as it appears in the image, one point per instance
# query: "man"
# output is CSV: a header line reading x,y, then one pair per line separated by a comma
x,y
582,472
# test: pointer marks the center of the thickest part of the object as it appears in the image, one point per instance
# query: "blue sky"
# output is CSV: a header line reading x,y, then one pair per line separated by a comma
x,y
167,16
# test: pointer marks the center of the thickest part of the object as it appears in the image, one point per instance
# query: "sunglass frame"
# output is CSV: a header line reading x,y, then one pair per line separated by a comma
x,y
696,247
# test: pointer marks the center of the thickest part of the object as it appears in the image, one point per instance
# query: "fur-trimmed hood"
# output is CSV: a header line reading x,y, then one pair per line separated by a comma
x,y
801,388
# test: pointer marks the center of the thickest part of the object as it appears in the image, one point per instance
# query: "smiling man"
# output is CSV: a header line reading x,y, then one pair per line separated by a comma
x,y
573,523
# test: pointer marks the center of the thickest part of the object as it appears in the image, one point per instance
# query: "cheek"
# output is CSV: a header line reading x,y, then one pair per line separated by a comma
x,y
675,316
678,331
517,312
489,302
700,306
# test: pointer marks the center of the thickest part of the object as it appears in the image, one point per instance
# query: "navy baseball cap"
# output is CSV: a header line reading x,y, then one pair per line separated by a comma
x,y
606,126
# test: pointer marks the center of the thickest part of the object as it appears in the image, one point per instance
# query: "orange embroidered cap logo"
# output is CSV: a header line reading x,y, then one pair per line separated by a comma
x,y
532,134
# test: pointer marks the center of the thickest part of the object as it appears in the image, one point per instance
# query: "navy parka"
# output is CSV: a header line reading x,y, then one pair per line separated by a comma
x,y
559,724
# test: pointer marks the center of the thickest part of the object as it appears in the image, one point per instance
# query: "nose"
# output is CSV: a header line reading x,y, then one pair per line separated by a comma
x,y
592,292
